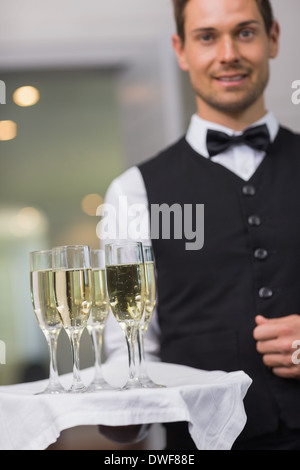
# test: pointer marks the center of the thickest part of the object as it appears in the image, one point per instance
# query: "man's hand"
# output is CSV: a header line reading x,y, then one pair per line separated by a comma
x,y
275,339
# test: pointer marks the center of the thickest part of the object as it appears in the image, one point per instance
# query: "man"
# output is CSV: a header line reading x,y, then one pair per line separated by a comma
x,y
235,303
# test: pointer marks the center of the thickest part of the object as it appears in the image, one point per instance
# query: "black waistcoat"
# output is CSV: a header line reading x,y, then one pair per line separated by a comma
x,y
249,265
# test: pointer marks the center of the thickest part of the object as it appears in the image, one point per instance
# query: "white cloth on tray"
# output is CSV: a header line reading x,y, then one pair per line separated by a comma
x,y
211,402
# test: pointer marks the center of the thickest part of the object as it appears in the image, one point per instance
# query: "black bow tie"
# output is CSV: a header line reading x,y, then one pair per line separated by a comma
x,y
257,138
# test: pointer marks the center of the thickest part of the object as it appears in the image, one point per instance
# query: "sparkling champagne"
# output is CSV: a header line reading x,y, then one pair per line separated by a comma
x,y
74,295
150,294
100,308
43,300
126,288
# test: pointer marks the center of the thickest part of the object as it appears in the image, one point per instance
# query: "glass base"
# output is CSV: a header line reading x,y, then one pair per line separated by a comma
x,y
77,388
52,390
148,383
98,386
132,384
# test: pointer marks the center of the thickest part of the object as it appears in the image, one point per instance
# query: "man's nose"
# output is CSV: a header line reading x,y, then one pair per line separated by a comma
x,y
228,50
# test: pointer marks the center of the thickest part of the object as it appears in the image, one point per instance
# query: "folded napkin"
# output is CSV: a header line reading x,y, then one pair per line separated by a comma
x,y
211,402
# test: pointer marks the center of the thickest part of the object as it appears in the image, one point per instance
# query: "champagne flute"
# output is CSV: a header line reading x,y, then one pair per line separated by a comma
x,y
73,288
126,289
150,301
43,301
98,318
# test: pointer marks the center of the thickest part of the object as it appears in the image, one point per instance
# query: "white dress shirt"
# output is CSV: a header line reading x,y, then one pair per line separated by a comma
x,y
129,188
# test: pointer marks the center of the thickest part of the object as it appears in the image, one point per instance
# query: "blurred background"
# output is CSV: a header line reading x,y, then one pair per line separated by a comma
x,y
87,89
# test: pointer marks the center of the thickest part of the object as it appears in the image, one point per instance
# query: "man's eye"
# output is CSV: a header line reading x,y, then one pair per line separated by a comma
x,y
206,38
246,34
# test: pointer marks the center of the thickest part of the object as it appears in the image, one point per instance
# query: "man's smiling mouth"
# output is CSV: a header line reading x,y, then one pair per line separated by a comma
x,y
231,78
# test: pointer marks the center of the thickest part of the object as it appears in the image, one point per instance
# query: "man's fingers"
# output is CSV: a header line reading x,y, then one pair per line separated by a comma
x,y
278,360
278,345
260,320
286,372
267,347
266,331
275,340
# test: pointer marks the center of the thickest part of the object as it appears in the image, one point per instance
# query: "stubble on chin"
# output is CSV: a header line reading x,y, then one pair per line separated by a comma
x,y
232,101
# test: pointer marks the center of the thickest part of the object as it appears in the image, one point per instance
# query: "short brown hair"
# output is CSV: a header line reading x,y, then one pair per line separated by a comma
x,y
264,7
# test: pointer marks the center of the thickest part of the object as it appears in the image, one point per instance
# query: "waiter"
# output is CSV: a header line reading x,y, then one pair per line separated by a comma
x,y
235,303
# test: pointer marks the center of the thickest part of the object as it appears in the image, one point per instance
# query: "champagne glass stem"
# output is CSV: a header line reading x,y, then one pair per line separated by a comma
x,y
141,354
54,386
130,335
99,382
98,340
77,385
143,376
52,343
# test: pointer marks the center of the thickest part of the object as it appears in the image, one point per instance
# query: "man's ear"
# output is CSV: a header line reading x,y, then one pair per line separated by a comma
x,y
274,40
180,52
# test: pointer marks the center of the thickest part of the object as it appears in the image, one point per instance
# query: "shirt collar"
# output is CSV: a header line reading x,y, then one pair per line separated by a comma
x,y
197,131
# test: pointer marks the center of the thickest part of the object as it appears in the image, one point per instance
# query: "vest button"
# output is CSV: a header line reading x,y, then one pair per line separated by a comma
x,y
265,293
260,254
249,190
254,220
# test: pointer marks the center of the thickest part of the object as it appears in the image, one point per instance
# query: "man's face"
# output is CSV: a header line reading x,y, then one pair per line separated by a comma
x,y
226,52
